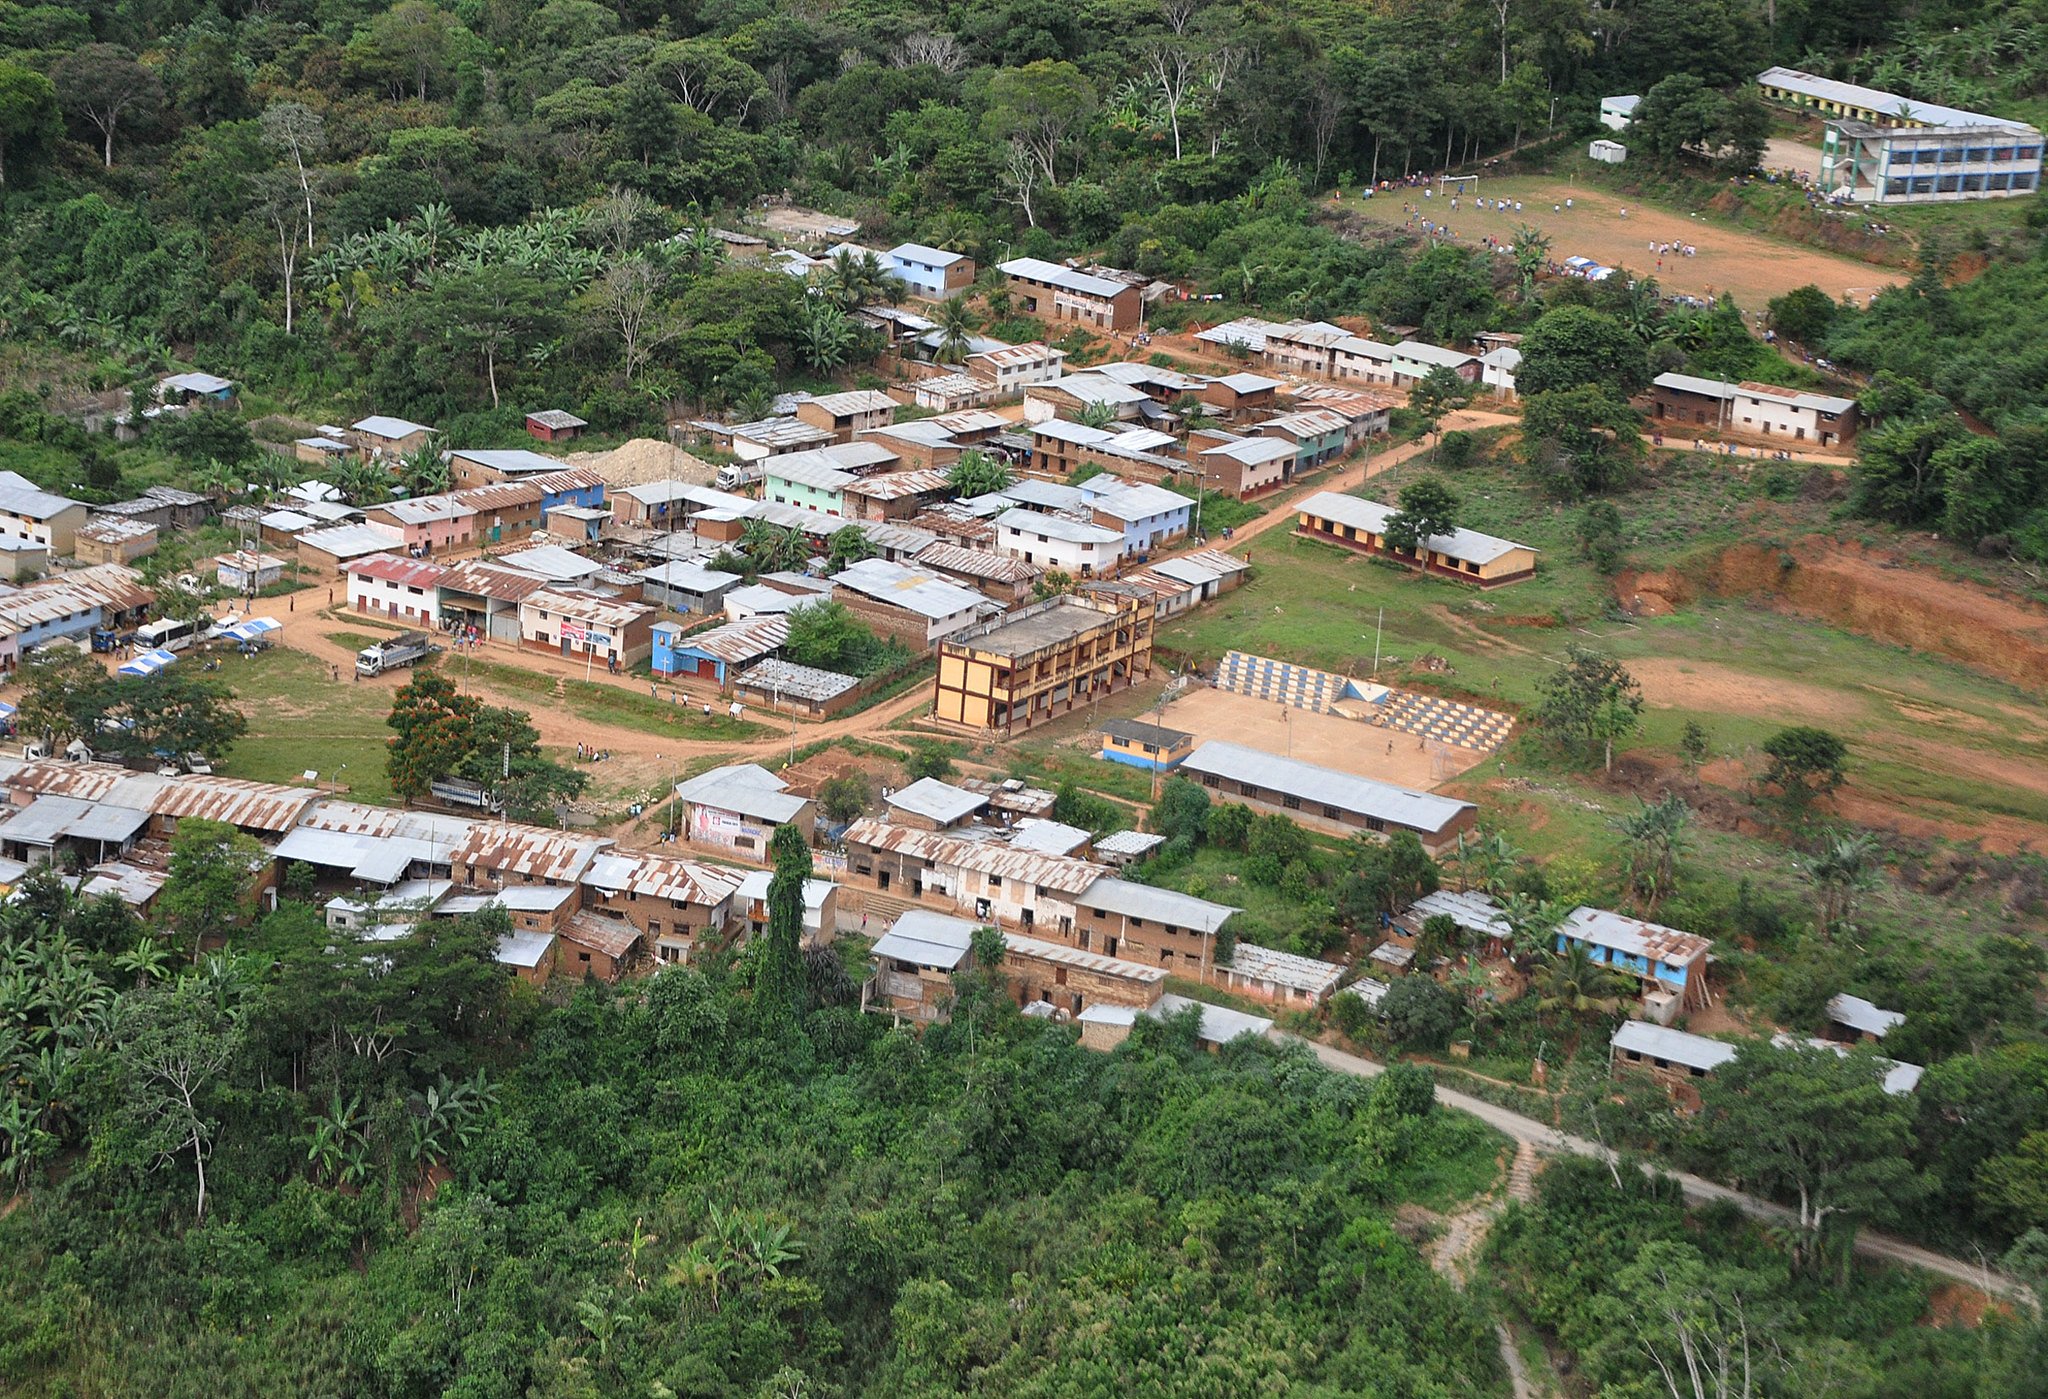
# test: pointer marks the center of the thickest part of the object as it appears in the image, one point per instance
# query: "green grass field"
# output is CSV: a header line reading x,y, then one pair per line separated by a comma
x,y
341,735
1931,735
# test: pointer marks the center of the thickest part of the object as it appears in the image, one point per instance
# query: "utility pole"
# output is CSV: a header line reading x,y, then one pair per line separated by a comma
x,y
1377,630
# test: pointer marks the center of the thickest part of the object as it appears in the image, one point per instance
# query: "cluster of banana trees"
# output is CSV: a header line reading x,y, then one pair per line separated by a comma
x,y
343,1148
54,1009
553,245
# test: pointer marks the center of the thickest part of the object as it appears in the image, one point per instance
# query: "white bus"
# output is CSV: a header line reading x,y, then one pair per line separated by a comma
x,y
170,634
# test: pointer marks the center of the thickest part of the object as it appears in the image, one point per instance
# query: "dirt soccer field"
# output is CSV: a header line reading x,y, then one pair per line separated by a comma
x,y
1755,266
1343,745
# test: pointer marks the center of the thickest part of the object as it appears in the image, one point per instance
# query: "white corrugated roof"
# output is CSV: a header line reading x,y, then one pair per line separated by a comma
x,y
1466,545
1889,105
1233,762
927,939
1859,1014
1672,1046
937,801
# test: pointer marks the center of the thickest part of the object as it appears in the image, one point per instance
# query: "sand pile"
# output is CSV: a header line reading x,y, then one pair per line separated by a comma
x,y
646,459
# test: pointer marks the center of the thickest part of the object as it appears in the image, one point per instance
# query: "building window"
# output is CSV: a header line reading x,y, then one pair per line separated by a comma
x,y
1292,803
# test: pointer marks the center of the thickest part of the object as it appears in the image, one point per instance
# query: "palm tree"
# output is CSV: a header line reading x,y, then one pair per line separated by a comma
x,y
826,335
363,483
1532,254
147,961
425,472
1846,868
1096,413
1532,926
1657,837
1572,982
957,323
774,548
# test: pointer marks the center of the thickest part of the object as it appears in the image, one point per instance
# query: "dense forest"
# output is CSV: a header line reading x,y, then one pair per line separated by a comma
x,y
428,208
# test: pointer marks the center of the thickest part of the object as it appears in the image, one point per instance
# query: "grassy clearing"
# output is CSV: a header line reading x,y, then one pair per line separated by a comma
x,y
615,705
342,736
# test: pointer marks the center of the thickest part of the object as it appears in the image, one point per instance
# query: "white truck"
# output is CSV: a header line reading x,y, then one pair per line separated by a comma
x,y
739,475
395,654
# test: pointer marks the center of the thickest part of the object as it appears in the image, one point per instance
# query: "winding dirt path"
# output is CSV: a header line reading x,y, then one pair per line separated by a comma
x,y
641,754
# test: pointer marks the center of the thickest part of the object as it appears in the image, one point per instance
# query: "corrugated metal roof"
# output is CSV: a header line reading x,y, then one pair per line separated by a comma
x,y
426,510
1466,545
852,401
258,806
1220,1024
1866,1016
1672,1046
607,612
350,541
898,586
1422,352
1168,906
412,573
927,939
979,563
378,426
737,642
936,801
797,681
528,850
1049,526
614,937
1468,908
1132,844
1033,269
1062,955
1248,331
494,581
510,460
1619,932
1233,762
1284,969
895,485
1054,872
501,495
1889,105
1047,837
109,586
520,948
747,788
657,876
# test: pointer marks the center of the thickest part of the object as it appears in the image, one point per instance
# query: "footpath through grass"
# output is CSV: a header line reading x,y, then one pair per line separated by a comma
x,y
301,721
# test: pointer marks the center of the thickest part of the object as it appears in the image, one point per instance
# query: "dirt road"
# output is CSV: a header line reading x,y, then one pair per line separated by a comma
x,y
635,749
1697,1189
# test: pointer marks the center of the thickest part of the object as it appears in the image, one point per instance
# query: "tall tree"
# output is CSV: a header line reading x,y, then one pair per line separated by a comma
x,y
1818,1128
1592,699
104,84
177,1043
779,987
298,133
1428,508
1042,106
491,312
212,870
28,111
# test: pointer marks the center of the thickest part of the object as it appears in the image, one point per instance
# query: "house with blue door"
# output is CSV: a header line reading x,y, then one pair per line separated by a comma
x,y
1670,965
716,653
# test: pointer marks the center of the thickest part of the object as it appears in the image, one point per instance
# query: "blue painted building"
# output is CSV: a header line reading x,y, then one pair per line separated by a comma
x,y
1147,746
1661,958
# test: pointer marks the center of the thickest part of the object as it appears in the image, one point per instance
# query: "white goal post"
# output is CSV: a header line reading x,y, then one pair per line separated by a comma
x,y
1456,184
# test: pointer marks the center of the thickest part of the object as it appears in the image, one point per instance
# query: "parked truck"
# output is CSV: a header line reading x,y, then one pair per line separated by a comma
x,y
739,475
395,654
